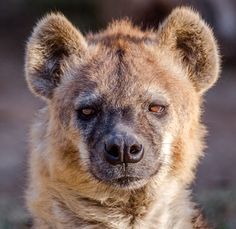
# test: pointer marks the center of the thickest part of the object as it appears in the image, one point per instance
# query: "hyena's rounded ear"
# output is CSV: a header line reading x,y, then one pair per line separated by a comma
x,y
52,42
192,43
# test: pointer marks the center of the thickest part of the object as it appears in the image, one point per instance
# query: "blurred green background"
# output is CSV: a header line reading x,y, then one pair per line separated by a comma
x,y
215,186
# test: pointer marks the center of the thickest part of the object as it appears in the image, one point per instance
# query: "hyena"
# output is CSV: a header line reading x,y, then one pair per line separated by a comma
x,y
119,139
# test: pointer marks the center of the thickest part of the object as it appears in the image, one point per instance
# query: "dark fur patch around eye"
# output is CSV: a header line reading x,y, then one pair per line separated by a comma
x,y
104,123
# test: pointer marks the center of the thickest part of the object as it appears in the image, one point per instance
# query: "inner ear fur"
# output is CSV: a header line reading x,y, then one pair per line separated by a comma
x,y
192,43
53,40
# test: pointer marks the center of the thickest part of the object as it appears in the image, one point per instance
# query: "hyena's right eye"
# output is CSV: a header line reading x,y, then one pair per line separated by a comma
x,y
86,113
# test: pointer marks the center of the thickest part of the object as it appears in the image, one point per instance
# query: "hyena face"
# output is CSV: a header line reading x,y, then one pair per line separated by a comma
x,y
120,112
121,98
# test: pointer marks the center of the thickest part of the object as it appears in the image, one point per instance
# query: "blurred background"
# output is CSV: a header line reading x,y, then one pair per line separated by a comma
x,y
215,186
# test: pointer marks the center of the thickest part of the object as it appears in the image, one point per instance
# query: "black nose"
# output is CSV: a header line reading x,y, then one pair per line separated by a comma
x,y
123,149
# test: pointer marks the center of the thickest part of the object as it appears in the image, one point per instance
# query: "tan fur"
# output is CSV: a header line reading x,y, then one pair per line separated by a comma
x,y
62,193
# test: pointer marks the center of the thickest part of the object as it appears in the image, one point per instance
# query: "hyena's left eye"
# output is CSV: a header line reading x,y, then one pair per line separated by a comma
x,y
156,108
86,113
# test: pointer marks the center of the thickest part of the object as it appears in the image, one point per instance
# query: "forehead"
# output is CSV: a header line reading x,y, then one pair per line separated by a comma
x,y
125,70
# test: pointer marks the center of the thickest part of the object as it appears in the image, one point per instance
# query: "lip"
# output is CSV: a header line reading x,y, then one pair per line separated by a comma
x,y
126,178
125,181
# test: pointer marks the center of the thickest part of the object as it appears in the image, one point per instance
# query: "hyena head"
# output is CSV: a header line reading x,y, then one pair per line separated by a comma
x,y
124,103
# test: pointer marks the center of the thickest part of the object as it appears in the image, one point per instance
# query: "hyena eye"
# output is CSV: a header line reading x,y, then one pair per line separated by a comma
x,y
156,108
86,113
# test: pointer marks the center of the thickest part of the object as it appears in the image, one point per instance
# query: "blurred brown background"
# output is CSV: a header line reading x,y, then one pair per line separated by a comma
x,y
215,186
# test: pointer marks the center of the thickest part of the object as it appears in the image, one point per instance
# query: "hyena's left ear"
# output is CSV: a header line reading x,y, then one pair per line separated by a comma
x,y
192,43
53,41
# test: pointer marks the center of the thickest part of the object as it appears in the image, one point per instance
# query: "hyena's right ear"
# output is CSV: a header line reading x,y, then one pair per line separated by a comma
x,y
53,41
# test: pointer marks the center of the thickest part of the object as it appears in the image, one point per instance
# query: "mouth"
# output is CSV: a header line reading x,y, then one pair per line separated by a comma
x,y
125,181
119,177
121,182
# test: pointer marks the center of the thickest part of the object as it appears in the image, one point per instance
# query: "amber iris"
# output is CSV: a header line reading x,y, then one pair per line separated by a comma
x,y
155,108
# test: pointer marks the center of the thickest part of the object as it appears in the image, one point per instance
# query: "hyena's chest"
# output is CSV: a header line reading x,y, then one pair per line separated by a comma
x,y
97,216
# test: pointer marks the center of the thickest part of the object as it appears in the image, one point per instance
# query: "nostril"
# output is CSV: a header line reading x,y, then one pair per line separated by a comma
x,y
113,154
135,149
134,153
114,151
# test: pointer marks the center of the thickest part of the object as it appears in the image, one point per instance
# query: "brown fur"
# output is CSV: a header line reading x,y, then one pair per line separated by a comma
x,y
119,63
